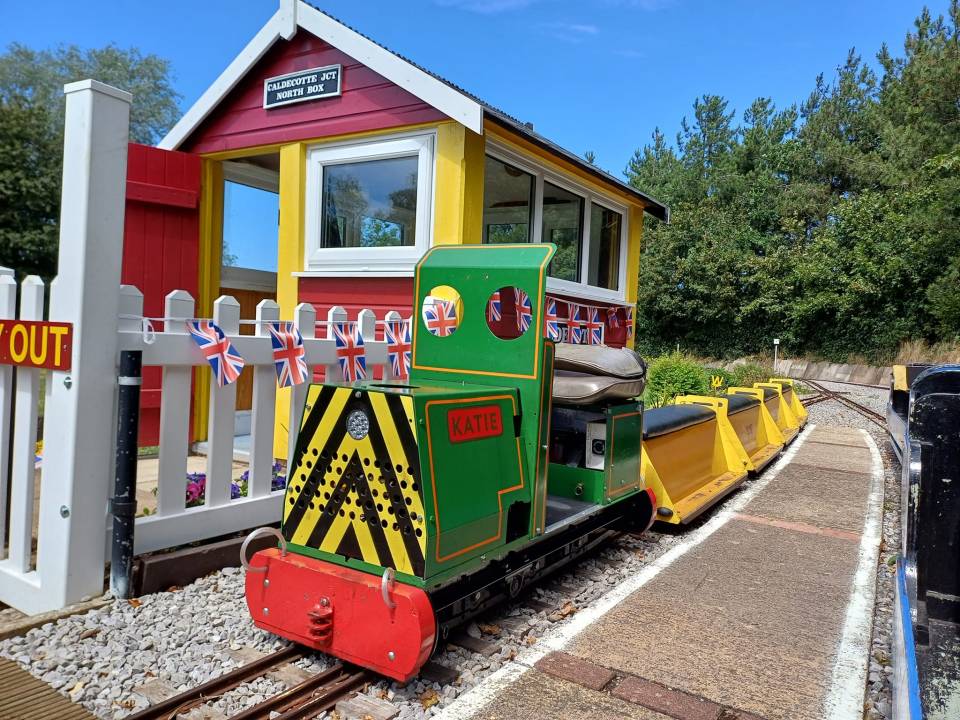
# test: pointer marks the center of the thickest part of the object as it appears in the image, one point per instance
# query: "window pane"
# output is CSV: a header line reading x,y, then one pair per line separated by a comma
x,y
370,204
250,218
604,264
507,203
563,226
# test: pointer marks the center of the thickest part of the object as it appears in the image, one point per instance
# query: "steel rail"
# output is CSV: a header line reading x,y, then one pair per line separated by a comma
x,y
309,698
173,706
871,415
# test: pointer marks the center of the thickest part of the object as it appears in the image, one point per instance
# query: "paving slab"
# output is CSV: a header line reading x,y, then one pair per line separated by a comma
x,y
538,696
835,457
751,621
820,497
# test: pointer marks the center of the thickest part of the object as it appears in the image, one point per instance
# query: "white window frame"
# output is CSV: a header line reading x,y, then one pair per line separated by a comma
x,y
541,174
383,261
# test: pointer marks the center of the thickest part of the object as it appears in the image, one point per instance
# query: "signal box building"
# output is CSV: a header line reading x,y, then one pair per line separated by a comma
x,y
320,166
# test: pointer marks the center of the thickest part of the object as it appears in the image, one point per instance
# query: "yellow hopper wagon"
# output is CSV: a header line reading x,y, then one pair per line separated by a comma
x,y
754,427
690,457
792,399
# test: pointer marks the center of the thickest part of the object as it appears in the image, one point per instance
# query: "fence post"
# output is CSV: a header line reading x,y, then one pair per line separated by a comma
x,y
336,314
264,408
25,438
305,318
8,310
391,317
223,405
78,416
174,432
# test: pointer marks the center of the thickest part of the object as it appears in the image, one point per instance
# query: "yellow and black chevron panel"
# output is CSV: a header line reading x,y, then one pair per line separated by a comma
x,y
355,482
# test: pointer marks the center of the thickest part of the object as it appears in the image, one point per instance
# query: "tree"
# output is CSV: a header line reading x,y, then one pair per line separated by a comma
x,y
834,223
31,135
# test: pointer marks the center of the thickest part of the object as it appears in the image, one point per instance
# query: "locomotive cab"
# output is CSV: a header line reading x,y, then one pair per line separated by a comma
x,y
415,505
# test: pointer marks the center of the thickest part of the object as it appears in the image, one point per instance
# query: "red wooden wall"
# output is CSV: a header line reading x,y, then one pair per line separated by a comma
x,y
161,239
368,102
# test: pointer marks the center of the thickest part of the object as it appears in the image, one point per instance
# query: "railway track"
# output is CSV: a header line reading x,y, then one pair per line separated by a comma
x,y
827,394
300,702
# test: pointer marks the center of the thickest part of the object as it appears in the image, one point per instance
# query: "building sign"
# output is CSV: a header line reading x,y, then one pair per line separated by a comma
x,y
474,423
36,344
302,86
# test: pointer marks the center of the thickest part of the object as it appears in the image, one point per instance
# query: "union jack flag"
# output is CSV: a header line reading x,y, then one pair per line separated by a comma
x,y
613,317
399,344
524,309
440,317
219,352
594,327
350,351
551,322
288,354
575,332
629,322
493,308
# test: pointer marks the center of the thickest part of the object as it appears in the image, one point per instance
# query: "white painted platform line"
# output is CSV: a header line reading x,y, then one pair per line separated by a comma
x,y
848,682
477,698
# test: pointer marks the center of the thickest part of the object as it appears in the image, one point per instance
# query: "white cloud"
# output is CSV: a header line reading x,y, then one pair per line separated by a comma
x,y
487,7
569,32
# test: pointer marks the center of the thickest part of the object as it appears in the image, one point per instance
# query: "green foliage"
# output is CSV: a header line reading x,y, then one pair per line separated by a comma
x,y
672,375
749,373
833,224
31,136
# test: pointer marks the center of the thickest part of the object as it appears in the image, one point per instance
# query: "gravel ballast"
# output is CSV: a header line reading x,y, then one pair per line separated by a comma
x,y
189,636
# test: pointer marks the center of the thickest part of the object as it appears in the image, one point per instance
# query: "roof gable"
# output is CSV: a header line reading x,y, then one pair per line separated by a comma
x,y
293,15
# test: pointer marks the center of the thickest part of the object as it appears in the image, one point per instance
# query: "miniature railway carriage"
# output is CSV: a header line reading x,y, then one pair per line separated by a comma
x,y
415,505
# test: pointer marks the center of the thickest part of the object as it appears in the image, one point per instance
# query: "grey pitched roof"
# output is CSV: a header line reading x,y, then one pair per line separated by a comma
x,y
653,206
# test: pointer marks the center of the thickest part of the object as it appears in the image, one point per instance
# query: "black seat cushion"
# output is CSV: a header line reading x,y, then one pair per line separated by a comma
x,y
739,403
660,421
767,393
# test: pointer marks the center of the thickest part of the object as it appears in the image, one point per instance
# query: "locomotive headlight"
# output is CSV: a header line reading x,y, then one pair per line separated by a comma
x,y
358,424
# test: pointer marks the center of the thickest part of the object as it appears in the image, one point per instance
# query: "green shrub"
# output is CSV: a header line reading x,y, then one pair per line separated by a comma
x,y
748,374
673,375
726,379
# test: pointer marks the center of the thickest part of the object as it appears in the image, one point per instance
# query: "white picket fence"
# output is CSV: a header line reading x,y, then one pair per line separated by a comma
x,y
54,548
175,351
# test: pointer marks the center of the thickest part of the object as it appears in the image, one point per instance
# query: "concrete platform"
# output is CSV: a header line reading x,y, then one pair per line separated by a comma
x,y
763,612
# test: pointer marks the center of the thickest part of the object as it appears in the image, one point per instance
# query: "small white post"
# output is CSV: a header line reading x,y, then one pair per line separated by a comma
x,y
174,412
336,314
305,318
25,437
223,405
264,410
8,310
367,322
776,347
79,425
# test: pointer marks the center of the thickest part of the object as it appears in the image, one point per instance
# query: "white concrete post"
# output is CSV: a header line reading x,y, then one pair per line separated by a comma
x,y
263,410
79,415
305,318
222,417
8,309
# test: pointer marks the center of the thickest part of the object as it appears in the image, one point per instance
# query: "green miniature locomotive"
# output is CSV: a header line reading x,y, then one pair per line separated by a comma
x,y
414,505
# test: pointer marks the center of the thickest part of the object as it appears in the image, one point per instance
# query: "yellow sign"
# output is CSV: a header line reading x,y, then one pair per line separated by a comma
x,y
716,382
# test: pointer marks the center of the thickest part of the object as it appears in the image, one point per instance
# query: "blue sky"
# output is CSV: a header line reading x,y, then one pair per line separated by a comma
x,y
590,74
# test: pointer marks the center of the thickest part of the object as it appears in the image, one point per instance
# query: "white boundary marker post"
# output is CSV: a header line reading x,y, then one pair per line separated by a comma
x,y
79,414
